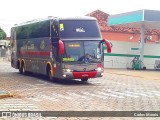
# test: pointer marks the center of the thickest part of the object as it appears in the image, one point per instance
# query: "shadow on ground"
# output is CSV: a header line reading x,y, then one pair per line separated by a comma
x,y
59,81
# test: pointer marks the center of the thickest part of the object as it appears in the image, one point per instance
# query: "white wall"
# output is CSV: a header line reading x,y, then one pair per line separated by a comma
x,y
121,54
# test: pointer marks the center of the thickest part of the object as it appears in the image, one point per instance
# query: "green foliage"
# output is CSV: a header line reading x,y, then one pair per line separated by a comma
x,y
2,34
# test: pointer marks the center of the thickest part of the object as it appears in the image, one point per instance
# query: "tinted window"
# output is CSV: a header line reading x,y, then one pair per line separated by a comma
x,y
34,30
79,29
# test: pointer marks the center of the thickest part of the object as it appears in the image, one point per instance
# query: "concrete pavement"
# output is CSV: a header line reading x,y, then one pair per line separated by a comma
x,y
145,74
117,90
4,93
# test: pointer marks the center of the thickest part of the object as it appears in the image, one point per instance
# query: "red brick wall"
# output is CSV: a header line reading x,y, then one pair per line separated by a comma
x,y
126,37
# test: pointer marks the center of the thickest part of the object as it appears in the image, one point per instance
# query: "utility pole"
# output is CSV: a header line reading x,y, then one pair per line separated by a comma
x,y
142,44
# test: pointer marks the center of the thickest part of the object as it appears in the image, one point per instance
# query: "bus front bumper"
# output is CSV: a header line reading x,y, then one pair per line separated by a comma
x,y
82,75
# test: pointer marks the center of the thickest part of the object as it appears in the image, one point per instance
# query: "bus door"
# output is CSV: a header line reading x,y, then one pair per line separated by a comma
x,y
55,47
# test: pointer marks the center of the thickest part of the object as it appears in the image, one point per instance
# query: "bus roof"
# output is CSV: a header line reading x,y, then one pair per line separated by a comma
x,y
51,18
78,18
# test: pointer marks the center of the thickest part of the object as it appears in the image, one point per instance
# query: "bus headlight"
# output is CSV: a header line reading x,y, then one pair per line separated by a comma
x,y
101,74
67,70
99,69
64,75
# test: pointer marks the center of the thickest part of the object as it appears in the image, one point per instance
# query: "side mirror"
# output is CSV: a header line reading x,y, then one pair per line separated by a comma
x,y
61,47
107,44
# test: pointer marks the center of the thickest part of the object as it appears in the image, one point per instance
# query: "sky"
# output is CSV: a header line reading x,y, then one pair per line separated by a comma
x,y
18,11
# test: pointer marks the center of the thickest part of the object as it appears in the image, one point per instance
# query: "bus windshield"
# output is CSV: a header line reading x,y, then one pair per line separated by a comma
x,y
82,52
79,29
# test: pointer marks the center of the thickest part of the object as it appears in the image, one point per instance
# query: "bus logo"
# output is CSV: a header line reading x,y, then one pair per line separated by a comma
x,y
80,29
42,45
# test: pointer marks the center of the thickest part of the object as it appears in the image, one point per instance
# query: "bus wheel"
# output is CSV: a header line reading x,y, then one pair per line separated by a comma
x,y
49,74
84,79
22,69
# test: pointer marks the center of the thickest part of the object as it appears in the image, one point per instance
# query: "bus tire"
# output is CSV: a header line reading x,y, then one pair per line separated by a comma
x,y
22,69
49,74
84,79
18,65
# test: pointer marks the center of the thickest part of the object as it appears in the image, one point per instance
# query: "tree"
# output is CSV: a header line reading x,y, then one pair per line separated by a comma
x,y
2,34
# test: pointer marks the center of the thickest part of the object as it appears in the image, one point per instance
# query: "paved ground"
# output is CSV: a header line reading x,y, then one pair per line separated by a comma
x,y
146,74
118,90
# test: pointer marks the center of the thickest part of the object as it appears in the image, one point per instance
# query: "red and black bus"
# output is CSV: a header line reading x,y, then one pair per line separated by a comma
x,y
64,48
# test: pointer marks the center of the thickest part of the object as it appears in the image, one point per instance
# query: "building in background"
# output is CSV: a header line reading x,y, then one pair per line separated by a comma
x,y
126,43
5,49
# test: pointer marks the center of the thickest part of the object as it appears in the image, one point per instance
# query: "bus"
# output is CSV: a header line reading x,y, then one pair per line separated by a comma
x,y
63,48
